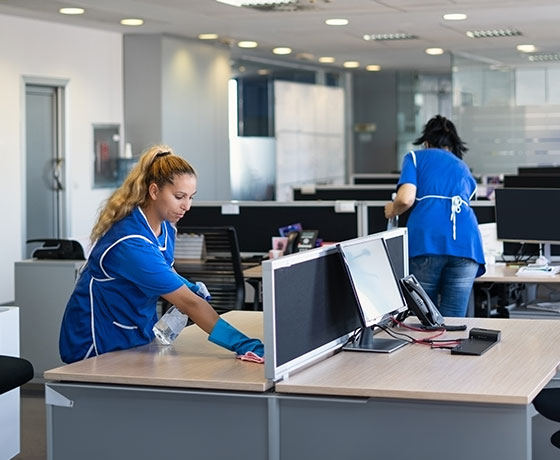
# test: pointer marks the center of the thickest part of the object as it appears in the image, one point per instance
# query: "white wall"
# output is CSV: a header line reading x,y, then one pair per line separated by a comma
x,y
92,62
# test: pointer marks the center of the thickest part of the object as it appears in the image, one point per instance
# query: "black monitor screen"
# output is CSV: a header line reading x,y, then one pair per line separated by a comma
x,y
396,249
532,181
527,215
256,225
372,277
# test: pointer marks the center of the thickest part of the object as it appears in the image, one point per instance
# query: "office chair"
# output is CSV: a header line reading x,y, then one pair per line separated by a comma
x,y
547,404
221,271
14,372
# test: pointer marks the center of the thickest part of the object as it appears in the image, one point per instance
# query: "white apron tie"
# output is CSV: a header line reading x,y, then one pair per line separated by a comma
x,y
456,203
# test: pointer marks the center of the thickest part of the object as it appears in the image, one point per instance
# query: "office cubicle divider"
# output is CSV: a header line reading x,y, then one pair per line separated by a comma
x,y
374,178
344,192
309,309
256,222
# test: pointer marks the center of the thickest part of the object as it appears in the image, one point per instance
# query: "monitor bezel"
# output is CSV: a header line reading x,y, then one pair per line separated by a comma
x,y
360,241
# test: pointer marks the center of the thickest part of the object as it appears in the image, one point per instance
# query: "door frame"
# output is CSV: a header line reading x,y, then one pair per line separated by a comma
x,y
61,85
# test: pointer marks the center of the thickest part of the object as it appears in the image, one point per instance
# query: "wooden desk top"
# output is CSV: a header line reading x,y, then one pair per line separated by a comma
x,y
190,362
502,273
511,372
253,272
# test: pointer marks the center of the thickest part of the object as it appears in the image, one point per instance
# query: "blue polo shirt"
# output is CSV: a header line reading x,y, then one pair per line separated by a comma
x,y
441,221
113,305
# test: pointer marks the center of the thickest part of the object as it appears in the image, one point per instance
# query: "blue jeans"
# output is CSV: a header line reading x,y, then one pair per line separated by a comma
x,y
448,280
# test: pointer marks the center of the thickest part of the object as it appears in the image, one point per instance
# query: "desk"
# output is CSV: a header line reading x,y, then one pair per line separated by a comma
x,y
422,403
153,401
504,274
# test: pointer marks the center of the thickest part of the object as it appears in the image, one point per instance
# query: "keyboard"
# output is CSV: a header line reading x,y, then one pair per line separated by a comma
x,y
545,306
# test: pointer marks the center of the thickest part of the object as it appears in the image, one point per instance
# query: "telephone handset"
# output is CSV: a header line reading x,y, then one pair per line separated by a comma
x,y
420,303
291,245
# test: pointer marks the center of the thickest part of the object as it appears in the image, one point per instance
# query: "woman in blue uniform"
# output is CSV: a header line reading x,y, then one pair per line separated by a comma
x,y
445,246
113,305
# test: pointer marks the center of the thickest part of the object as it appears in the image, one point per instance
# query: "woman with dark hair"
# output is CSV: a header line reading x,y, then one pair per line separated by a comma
x,y
445,247
113,306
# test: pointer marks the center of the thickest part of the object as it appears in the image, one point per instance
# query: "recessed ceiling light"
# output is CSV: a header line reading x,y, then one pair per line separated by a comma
x,y
526,48
351,64
282,50
434,51
247,44
207,36
373,68
71,11
132,22
326,59
336,22
455,17
263,72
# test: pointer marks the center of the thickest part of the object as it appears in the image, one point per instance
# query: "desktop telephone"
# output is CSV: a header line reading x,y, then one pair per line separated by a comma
x,y
301,241
420,303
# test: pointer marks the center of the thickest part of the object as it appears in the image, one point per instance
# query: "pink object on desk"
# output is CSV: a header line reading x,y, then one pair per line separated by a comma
x,y
252,357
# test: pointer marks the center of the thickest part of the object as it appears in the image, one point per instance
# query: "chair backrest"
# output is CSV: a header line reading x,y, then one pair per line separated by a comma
x,y
221,271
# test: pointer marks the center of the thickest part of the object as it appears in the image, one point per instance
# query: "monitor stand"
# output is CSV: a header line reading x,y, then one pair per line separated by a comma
x,y
367,342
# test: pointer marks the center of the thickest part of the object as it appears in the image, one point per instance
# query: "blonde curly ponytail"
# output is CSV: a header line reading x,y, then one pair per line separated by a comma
x,y
157,165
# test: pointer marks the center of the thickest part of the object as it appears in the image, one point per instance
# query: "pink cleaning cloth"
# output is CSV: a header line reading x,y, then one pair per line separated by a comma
x,y
252,357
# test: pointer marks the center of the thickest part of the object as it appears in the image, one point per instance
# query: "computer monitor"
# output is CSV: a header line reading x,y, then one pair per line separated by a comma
x,y
376,288
525,215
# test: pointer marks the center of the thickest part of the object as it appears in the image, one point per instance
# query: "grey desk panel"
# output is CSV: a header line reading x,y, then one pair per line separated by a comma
x,y
42,289
119,422
396,429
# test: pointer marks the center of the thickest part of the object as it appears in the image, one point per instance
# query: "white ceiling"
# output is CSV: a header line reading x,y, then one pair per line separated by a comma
x,y
305,31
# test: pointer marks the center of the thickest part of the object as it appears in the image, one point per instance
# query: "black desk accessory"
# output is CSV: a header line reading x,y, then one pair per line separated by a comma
x,y
54,248
479,341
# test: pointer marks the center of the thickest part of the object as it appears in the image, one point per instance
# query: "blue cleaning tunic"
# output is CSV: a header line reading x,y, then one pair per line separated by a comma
x,y
113,305
442,221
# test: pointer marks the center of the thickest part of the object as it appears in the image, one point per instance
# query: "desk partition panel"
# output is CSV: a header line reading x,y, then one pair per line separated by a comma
x,y
309,309
256,222
344,192
374,178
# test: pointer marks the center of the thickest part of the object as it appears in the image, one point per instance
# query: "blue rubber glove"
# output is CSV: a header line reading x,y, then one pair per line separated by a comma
x,y
225,335
202,291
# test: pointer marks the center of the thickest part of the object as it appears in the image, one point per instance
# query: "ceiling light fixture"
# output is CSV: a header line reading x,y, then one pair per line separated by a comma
x,y
326,59
336,22
373,68
263,72
351,64
71,11
395,36
207,36
434,51
282,50
544,57
526,48
247,44
132,22
495,33
256,2
455,17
